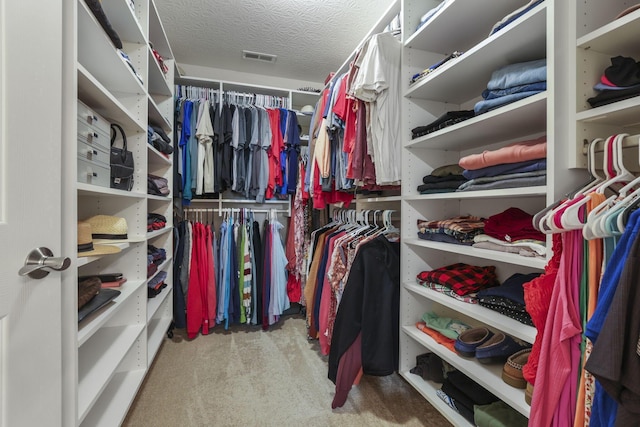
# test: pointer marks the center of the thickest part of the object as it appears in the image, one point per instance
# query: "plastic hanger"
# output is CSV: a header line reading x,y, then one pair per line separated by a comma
x,y
543,221
571,218
601,221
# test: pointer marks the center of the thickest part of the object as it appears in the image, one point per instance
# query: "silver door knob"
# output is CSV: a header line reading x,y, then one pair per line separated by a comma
x,y
40,261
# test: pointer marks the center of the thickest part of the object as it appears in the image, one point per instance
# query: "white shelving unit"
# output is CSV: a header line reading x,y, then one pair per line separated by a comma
x,y
457,85
109,353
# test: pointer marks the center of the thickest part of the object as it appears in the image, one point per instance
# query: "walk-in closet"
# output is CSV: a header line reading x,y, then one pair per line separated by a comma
x,y
278,213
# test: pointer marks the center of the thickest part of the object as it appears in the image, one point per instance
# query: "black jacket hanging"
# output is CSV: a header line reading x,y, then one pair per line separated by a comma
x,y
370,305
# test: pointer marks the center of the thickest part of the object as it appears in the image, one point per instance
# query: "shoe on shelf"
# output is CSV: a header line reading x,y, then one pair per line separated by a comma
x,y
528,393
471,339
512,370
498,348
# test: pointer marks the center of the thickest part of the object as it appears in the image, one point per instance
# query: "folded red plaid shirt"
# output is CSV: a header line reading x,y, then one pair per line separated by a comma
x,y
461,224
462,278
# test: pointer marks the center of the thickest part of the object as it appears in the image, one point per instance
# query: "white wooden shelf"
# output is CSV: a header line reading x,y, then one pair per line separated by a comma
x,y
523,117
115,400
123,19
489,255
618,37
158,84
537,191
436,36
160,198
623,113
84,260
157,158
97,363
487,316
157,331
90,326
130,239
155,116
155,233
98,55
381,199
523,40
488,376
92,92
95,190
428,390
157,35
153,304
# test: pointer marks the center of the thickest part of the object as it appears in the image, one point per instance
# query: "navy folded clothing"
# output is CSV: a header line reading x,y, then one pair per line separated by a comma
x,y
533,181
486,105
508,308
507,168
512,288
442,237
530,87
433,179
157,280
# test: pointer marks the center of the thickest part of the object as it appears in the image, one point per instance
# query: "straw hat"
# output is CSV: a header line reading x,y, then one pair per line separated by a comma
x,y
85,243
108,227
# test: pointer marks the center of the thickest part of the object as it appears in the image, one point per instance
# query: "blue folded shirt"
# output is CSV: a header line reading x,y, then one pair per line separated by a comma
x,y
507,168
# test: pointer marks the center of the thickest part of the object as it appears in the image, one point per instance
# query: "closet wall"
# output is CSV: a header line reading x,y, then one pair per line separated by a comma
x,y
108,354
457,85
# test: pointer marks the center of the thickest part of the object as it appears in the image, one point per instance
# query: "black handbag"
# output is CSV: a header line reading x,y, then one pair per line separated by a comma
x,y
121,162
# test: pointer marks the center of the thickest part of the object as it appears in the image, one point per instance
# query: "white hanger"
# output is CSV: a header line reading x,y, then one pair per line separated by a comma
x,y
596,220
543,220
570,218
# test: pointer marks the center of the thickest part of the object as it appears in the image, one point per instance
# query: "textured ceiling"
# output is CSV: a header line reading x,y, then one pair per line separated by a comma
x,y
310,37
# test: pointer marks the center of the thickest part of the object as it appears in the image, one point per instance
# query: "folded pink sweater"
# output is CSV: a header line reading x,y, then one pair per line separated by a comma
x,y
520,151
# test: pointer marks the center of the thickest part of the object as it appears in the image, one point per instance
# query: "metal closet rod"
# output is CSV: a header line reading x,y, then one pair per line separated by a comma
x,y
628,142
232,210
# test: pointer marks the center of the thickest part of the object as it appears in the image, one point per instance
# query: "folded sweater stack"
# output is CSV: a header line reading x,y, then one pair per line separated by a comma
x,y
519,164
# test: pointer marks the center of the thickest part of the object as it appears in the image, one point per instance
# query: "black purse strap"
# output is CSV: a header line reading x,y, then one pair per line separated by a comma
x,y
114,131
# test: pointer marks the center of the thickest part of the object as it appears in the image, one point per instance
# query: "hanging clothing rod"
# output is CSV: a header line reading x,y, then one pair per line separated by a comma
x,y
630,141
221,211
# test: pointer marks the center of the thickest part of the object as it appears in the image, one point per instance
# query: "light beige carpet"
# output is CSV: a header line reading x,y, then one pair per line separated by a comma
x,y
247,377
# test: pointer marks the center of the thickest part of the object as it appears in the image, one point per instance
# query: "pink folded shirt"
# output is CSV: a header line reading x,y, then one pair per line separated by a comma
x,y
513,153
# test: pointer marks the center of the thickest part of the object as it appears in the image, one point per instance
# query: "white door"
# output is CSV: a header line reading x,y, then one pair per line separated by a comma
x,y
30,192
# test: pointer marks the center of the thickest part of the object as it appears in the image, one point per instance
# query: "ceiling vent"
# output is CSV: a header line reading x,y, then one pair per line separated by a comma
x,y
257,56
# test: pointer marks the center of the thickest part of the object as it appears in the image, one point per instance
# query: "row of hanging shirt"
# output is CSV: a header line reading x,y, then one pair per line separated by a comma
x,y
234,276
234,141
355,128
353,297
332,251
589,286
